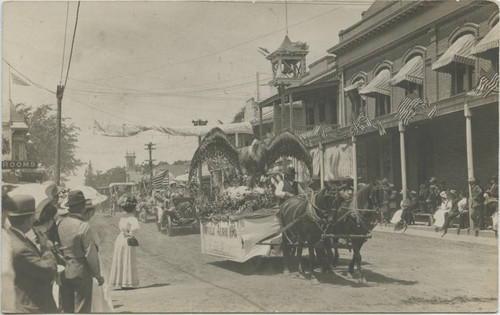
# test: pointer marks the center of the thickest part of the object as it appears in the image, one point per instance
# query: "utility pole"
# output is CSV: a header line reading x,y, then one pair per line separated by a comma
x,y
57,167
150,148
199,122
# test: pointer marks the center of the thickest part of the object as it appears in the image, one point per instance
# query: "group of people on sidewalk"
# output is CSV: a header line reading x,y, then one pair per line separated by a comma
x,y
50,258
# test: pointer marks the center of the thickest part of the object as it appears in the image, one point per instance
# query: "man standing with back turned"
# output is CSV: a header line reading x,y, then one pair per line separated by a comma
x,y
81,256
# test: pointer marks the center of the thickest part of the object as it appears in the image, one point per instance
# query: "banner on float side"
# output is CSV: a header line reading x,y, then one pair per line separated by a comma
x,y
338,161
236,239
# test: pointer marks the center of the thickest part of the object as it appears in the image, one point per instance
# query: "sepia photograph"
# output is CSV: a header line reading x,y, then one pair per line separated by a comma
x,y
292,156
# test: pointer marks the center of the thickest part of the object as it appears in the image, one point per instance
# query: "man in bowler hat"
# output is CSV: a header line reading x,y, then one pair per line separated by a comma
x,y
82,261
33,261
287,187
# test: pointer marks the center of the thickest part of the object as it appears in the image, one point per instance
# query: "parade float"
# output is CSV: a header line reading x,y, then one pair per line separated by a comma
x,y
242,209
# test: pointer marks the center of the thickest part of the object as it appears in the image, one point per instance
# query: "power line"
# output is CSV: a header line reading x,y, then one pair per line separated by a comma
x,y
222,50
72,43
64,44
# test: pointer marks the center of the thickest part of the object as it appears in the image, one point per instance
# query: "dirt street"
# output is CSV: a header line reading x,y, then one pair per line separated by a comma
x,y
405,273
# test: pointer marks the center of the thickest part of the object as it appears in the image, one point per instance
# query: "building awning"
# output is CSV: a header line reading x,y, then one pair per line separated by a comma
x,y
356,85
412,71
489,42
459,52
380,84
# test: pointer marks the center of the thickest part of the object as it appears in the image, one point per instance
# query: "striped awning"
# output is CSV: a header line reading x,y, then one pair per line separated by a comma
x,y
380,84
489,42
459,52
356,85
412,71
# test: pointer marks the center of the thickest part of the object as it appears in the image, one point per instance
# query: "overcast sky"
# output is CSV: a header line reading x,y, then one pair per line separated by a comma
x,y
201,56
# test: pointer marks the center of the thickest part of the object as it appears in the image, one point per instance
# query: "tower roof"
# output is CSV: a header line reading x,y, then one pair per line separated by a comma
x,y
291,48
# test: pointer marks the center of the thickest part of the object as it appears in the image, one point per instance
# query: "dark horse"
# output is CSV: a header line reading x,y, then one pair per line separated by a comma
x,y
305,219
357,222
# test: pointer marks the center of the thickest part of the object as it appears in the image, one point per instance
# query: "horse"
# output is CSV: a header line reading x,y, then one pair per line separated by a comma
x,y
352,221
305,219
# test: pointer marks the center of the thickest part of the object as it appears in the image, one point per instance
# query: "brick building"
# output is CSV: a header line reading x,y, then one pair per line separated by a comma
x,y
432,50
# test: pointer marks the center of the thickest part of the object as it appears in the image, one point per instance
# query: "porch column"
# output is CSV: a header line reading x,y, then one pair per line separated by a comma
x,y
237,140
354,172
321,165
282,109
470,160
291,111
276,119
402,150
260,123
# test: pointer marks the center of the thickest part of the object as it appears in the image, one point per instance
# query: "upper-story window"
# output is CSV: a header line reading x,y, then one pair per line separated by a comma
x,y
459,62
352,91
411,77
309,115
322,113
380,90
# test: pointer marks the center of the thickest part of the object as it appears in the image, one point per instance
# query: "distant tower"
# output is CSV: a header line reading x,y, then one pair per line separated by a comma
x,y
288,63
130,166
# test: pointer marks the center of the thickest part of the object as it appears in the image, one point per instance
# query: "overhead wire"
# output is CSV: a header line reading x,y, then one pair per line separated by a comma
x,y
72,43
28,79
64,44
221,50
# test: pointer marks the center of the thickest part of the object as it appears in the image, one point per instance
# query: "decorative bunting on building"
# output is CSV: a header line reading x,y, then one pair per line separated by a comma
x,y
487,84
360,123
407,109
381,129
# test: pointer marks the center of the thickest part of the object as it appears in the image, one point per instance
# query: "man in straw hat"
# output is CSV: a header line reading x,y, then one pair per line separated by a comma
x,y
34,263
81,255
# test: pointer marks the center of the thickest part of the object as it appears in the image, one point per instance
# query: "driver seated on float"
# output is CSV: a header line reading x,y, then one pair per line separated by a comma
x,y
287,186
346,193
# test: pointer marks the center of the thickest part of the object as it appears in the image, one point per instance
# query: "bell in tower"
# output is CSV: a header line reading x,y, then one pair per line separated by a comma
x,y
288,63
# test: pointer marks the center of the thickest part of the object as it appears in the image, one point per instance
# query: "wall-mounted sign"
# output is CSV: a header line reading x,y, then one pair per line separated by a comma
x,y
19,164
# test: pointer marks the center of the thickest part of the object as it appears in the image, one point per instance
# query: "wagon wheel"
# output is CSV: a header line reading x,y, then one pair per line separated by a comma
x,y
169,225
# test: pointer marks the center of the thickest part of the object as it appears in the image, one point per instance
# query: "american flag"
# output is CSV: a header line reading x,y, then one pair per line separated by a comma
x,y
381,129
360,123
158,179
166,179
18,80
407,109
487,84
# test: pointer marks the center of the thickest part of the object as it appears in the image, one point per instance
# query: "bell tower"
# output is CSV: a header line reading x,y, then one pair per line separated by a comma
x,y
288,63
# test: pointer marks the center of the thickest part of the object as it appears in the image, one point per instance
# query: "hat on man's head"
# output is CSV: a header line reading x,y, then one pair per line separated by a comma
x,y
18,205
290,171
75,197
345,186
433,180
443,194
453,192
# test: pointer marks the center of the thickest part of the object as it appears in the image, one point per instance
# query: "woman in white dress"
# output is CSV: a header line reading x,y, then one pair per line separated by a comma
x,y
444,208
124,267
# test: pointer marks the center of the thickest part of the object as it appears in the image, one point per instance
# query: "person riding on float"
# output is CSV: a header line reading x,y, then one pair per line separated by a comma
x,y
287,187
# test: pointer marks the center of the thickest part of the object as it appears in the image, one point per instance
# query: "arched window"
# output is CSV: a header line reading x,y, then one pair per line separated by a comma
x,y
352,90
379,88
411,76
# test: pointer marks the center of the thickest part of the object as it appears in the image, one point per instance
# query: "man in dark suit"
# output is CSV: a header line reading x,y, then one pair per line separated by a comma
x,y
477,202
82,261
35,267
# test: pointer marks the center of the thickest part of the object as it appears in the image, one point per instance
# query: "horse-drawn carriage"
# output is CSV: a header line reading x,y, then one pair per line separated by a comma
x,y
312,221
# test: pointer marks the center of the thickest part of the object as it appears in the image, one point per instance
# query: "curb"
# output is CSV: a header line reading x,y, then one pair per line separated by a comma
x,y
486,237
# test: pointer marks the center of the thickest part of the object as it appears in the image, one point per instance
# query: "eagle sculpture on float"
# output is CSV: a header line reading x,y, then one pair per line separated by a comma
x,y
254,160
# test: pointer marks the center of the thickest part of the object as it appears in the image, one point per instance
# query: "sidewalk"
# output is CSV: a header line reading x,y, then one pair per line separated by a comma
x,y
485,237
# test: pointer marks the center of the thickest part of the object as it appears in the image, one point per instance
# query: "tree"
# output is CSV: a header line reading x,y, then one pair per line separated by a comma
x,y
90,177
41,123
113,175
239,116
